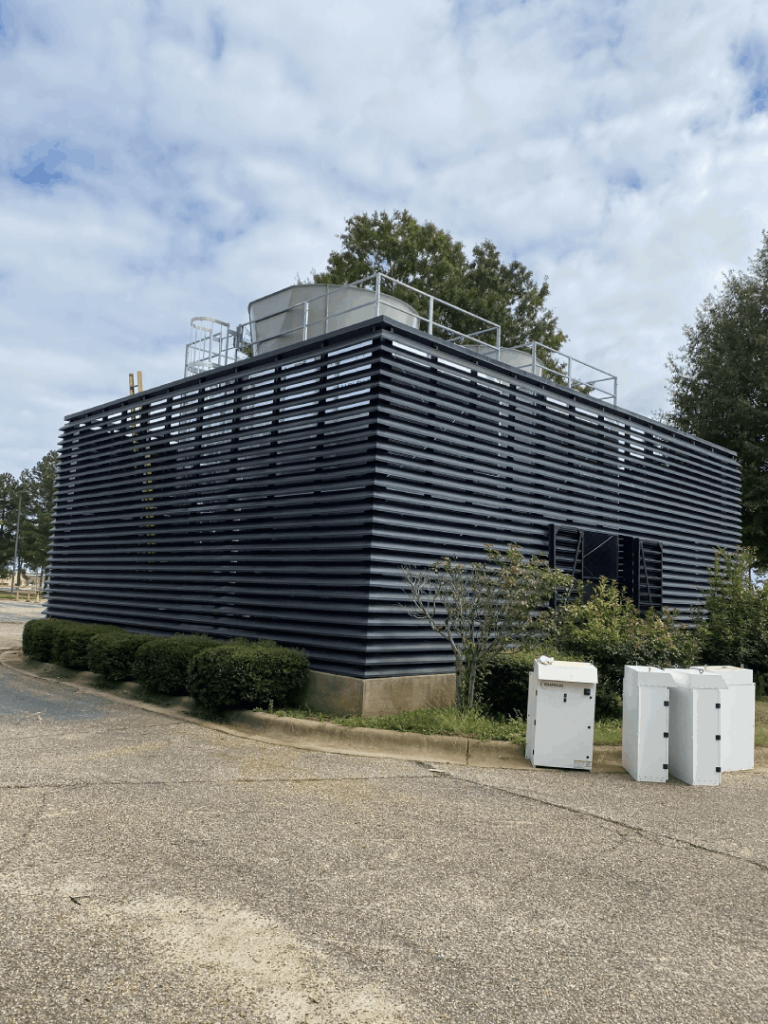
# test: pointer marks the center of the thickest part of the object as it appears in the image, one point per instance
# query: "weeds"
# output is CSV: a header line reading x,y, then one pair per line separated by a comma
x,y
608,732
452,722
761,723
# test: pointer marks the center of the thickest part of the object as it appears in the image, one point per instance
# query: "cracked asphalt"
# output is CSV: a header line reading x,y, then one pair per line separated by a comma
x,y
155,870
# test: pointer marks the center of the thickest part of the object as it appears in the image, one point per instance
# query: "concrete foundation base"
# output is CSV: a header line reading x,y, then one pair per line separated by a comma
x,y
387,695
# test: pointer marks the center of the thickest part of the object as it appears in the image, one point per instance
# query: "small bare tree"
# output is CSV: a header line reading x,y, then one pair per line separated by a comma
x,y
480,609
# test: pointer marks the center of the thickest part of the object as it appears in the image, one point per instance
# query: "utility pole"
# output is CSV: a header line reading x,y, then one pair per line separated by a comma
x,y
16,547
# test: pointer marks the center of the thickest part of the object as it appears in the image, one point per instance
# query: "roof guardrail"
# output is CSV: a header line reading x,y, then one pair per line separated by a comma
x,y
566,375
215,343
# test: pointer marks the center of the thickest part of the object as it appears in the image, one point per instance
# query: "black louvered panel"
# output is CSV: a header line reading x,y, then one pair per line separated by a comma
x,y
642,572
470,453
649,589
637,564
236,503
600,556
566,549
279,497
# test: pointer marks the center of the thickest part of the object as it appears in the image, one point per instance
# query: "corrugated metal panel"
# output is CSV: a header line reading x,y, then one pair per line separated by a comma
x,y
280,496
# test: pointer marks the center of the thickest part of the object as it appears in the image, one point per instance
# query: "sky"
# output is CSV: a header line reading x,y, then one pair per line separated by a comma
x,y
163,159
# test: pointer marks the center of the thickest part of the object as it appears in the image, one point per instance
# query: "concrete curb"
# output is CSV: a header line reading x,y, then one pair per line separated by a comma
x,y
405,746
308,734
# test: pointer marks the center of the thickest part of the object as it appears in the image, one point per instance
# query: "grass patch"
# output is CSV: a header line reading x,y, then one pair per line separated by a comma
x,y
451,722
608,732
429,721
761,723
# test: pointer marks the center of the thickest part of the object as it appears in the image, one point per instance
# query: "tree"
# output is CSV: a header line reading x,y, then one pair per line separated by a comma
x,y
39,486
480,609
733,625
9,503
428,258
36,488
719,385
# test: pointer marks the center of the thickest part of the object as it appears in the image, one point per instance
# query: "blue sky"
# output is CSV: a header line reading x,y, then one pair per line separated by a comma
x,y
167,159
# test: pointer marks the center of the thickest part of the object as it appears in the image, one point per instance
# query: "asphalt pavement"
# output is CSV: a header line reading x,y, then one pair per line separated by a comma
x,y
13,615
20,611
159,871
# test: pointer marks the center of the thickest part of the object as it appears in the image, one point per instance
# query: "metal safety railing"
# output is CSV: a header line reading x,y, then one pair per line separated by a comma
x,y
214,343
429,320
567,375
373,288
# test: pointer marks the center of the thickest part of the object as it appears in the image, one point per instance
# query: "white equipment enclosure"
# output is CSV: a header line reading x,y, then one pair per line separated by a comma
x,y
645,725
561,714
737,715
695,731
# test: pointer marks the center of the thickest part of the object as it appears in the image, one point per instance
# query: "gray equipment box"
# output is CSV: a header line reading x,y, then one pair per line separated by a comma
x,y
645,724
561,714
737,716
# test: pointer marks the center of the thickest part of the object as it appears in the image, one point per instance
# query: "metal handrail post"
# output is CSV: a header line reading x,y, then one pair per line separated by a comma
x,y
378,294
569,372
431,314
306,321
535,359
498,342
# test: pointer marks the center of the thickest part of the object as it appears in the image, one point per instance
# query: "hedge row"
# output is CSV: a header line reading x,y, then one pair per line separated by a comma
x,y
240,673
62,642
162,665
219,675
113,655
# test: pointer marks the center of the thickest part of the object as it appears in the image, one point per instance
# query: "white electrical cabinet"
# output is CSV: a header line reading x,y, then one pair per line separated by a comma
x,y
561,714
695,730
645,723
737,716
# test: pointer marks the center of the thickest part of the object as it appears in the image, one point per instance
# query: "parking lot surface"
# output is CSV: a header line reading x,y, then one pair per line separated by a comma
x,y
160,871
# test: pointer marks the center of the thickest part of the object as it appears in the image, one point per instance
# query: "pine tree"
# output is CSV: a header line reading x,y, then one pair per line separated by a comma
x,y
719,385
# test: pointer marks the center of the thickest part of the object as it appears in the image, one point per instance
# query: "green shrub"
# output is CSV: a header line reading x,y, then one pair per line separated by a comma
x,y
38,636
505,684
243,674
112,655
609,631
71,641
733,626
161,665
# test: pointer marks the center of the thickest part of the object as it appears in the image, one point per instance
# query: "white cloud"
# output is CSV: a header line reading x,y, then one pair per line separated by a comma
x,y
208,153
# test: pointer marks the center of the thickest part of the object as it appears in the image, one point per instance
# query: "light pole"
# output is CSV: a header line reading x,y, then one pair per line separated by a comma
x,y
16,547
